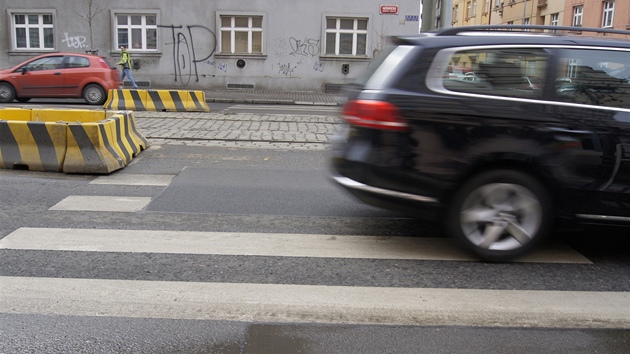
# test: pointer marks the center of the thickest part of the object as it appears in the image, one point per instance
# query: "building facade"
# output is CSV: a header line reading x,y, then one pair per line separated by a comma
x,y
614,14
214,44
610,14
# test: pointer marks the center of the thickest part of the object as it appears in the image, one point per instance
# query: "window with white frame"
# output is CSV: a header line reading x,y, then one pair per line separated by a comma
x,y
474,8
578,12
241,34
346,36
138,32
555,20
609,10
468,9
33,31
455,13
486,6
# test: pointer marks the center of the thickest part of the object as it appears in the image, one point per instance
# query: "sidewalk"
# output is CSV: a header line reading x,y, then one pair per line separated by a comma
x,y
274,97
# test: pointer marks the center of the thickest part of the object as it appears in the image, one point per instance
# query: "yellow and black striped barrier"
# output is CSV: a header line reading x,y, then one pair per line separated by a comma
x,y
157,100
71,141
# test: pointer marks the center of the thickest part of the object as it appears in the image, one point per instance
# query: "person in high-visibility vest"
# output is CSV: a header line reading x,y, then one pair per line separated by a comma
x,y
125,63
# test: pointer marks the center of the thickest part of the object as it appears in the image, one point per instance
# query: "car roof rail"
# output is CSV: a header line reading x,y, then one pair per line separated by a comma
x,y
457,30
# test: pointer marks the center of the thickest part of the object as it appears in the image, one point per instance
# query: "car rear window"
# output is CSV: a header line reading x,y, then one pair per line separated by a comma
x,y
382,71
77,62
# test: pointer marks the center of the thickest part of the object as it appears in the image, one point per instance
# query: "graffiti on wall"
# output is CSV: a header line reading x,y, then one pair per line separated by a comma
x,y
74,41
194,45
218,65
185,55
305,49
286,69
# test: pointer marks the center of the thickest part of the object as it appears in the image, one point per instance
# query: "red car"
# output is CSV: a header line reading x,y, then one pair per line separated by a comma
x,y
67,75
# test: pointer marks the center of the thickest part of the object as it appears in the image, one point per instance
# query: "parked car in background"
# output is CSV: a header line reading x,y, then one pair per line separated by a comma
x,y
500,158
60,75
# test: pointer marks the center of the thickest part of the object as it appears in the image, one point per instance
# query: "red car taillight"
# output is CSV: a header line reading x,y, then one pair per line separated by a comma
x,y
374,114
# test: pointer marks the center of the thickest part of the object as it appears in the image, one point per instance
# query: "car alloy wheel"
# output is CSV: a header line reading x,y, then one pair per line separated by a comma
x,y
500,215
7,93
94,94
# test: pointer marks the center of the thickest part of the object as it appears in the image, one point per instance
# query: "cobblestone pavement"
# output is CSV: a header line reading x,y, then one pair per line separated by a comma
x,y
276,97
244,130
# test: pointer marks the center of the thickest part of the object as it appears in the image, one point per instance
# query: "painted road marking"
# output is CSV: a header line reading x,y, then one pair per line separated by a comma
x,y
261,244
102,203
134,180
314,304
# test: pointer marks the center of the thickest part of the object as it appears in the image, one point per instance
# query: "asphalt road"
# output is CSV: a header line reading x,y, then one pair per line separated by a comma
x,y
197,249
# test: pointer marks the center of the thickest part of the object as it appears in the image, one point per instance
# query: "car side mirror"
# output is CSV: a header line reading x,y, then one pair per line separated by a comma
x,y
24,70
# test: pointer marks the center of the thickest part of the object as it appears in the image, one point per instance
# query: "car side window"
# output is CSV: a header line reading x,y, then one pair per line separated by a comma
x,y
507,72
77,62
594,77
47,63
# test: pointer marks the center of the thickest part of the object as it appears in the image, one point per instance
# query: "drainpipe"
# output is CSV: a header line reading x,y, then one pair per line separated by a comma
x,y
427,16
447,11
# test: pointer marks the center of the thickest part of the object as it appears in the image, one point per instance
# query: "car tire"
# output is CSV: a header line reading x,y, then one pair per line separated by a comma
x,y
94,94
23,99
7,92
500,215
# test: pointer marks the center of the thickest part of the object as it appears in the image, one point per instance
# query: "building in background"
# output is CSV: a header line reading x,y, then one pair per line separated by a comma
x,y
611,14
220,44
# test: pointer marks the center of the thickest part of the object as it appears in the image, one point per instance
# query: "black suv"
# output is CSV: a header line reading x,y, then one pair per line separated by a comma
x,y
530,128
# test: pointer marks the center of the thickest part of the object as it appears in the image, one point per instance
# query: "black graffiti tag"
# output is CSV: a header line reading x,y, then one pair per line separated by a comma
x,y
306,47
185,55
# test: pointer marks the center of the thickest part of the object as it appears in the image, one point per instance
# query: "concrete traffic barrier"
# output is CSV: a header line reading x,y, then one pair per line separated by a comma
x,y
71,141
157,100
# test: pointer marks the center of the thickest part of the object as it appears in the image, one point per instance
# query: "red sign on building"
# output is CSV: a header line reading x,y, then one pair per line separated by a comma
x,y
389,9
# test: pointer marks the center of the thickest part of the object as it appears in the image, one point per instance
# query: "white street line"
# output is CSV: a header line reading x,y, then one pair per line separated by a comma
x,y
314,304
102,203
260,244
134,180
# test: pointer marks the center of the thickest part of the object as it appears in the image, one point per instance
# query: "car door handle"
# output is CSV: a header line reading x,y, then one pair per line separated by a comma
x,y
58,73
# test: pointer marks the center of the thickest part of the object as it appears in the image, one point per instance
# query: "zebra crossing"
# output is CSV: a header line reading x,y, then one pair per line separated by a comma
x,y
283,302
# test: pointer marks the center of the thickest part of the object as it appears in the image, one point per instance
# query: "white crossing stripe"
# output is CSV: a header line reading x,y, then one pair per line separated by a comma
x,y
261,244
102,203
134,180
310,303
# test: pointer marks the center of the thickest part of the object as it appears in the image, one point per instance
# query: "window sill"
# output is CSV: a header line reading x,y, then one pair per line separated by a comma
x,y
32,51
344,58
240,56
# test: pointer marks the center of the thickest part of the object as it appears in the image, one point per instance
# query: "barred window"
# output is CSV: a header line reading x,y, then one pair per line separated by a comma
x,y
241,34
346,36
138,32
33,31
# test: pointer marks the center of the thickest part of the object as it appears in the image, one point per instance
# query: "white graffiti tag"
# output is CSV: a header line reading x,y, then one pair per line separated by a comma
x,y
74,41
